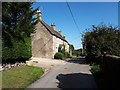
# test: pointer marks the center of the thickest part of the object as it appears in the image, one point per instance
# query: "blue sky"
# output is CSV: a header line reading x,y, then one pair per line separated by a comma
x,y
85,14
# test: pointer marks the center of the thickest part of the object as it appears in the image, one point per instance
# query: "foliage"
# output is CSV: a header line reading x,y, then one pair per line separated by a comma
x,y
59,49
17,25
90,57
71,47
20,51
99,74
66,55
77,52
95,68
17,19
21,77
58,55
62,50
103,76
102,38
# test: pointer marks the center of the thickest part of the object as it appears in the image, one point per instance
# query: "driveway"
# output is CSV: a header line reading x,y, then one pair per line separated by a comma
x,y
72,74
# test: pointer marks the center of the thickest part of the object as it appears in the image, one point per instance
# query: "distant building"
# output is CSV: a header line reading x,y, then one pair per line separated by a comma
x,y
46,41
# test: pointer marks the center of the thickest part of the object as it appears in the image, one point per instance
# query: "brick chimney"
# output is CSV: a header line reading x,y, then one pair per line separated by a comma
x,y
60,32
53,26
64,36
39,14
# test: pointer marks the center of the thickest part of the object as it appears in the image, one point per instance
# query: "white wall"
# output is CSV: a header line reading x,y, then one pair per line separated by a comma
x,y
57,42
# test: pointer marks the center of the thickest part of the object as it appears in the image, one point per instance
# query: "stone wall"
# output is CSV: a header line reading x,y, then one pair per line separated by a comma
x,y
112,63
42,42
9,66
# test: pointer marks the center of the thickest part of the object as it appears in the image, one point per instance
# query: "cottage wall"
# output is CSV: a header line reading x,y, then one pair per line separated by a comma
x,y
56,42
42,42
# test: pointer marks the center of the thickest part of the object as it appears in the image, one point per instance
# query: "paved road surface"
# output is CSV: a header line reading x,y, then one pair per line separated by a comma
x,y
74,74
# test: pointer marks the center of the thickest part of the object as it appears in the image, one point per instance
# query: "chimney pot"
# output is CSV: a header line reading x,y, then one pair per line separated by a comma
x,y
64,36
39,14
53,26
60,32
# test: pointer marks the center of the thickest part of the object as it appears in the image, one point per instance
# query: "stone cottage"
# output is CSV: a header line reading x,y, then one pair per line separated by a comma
x,y
46,40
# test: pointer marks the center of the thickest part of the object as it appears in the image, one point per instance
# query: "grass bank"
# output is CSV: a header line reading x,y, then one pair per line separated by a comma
x,y
98,74
21,77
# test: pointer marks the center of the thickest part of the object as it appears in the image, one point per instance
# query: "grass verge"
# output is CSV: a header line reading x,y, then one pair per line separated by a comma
x,y
21,77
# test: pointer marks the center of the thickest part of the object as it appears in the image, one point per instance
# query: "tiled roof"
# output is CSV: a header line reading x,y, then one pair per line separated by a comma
x,y
53,32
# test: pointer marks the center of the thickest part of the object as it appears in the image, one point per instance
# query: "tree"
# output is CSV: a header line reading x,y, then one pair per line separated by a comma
x,y
17,21
79,51
102,38
17,25
71,47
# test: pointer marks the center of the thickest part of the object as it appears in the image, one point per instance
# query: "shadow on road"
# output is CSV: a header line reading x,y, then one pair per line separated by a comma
x,y
76,80
78,60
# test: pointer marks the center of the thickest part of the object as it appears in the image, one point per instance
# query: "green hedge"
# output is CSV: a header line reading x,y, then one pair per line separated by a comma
x,y
58,55
66,55
21,50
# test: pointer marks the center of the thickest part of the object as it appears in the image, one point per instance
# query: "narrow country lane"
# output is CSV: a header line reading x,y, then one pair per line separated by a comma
x,y
74,74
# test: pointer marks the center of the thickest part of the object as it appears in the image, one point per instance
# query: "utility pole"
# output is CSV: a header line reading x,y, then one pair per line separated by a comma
x,y
82,48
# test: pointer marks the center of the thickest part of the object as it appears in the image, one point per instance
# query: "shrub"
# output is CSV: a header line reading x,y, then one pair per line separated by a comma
x,y
59,49
58,55
95,68
66,55
90,57
19,51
